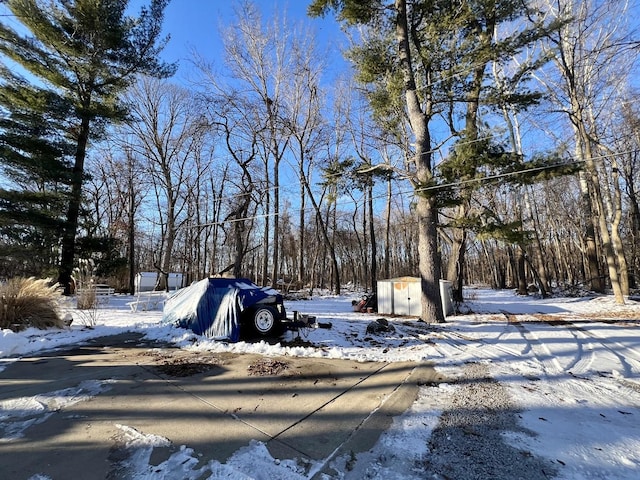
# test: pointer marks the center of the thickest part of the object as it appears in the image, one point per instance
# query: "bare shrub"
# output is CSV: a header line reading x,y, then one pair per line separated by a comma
x,y
85,284
87,299
88,314
30,302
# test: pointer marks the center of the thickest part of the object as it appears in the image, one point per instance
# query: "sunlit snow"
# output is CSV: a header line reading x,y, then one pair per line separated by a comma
x,y
572,369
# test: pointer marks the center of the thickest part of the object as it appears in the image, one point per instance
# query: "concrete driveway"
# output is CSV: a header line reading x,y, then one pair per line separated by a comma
x,y
301,408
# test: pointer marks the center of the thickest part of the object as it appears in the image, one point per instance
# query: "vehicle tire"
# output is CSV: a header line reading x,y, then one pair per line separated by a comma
x,y
264,320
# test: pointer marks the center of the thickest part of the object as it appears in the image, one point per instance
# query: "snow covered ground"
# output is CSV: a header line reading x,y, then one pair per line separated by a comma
x,y
569,369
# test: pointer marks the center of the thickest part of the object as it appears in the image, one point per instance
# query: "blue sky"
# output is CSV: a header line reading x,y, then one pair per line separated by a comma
x,y
195,25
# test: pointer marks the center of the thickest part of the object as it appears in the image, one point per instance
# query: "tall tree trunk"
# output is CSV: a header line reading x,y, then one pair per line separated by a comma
x,y
634,214
67,255
335,267
426,208
275,276
239,232
364,251
521,272
167,253
216,211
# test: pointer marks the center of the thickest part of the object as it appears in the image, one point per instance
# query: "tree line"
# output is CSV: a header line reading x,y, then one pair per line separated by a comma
x,y
482,142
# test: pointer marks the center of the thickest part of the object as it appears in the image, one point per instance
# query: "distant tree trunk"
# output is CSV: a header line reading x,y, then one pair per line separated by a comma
x,y
387,233
594,275
131,227
372,235
301,233
328,244
365,253
331,246
618,248
455,269
275,277
539,261
217,210
267,228
521,272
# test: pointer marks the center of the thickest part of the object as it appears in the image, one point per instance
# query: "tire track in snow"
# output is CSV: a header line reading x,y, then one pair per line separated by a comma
x,y
579,368
549,364
492,349
628,357
585,356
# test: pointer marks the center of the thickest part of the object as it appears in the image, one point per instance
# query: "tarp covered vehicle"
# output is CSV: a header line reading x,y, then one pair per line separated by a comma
x,y
220,308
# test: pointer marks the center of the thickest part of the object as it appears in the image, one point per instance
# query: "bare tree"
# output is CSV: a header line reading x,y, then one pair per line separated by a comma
x,y
166,129
303,102
629,144
589,52
257,57
128,192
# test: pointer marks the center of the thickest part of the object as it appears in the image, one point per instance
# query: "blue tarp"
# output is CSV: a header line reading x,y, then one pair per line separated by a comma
x,y
212,307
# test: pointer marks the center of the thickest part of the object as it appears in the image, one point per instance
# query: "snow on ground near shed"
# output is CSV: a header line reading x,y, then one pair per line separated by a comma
x,y
572,365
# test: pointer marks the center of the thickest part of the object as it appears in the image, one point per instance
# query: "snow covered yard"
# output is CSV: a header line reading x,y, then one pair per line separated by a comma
x,y
535,388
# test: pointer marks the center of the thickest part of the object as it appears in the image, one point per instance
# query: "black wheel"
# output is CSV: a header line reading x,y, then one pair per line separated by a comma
x,y
264,320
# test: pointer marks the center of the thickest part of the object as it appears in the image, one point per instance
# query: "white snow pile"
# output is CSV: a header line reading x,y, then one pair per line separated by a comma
x,y
567,371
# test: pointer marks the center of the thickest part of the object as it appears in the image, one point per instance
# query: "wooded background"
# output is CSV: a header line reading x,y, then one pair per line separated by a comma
x,y
259,168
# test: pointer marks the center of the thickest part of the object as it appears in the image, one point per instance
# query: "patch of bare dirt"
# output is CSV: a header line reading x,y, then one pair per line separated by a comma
x,y
178,363
267,367
184,367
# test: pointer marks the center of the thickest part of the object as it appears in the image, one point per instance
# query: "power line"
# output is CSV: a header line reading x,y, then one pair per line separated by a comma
x,y
451,185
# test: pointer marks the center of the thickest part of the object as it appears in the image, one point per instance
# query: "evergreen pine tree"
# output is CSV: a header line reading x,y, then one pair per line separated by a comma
x,y
35,170
84,52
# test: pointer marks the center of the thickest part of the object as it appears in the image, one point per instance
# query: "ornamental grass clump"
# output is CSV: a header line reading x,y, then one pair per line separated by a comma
x,y
87,299
85,282
29,302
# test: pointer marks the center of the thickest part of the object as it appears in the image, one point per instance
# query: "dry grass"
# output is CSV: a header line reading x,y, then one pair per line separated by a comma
x,y
29,302
87,299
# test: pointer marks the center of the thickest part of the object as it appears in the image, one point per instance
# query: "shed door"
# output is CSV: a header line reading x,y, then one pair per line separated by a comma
x,y
385,298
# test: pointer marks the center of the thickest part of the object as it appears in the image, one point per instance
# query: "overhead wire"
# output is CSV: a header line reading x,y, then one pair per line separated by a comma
x,y
413,191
